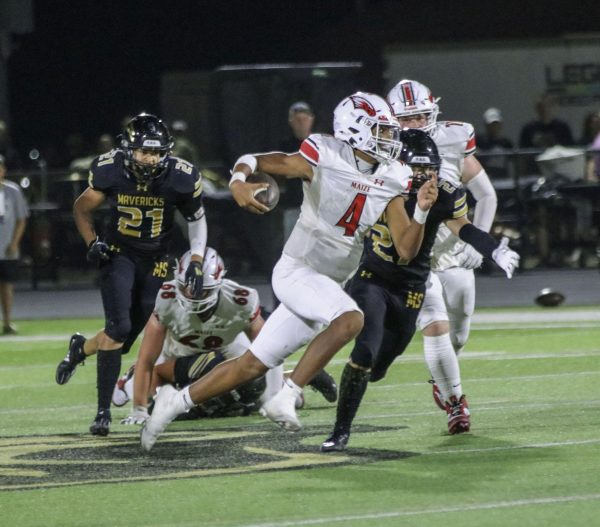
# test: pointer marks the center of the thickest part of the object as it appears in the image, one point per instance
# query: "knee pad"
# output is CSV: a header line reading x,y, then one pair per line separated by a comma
x,y
118,330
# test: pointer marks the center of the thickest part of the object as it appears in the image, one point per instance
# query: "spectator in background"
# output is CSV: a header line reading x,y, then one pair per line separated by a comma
x,y
590,128
591,136
545,130
105,143
7,151
493,142
183,146
13,217
301,120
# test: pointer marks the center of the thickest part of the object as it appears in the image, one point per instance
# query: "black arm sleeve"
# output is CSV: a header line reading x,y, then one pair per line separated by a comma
x,y
481,241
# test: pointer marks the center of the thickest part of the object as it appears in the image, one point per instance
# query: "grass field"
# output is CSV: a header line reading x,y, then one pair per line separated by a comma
x,y
531,459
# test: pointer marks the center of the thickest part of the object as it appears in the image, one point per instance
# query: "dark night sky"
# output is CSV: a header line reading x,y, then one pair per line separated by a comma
x,y
89,63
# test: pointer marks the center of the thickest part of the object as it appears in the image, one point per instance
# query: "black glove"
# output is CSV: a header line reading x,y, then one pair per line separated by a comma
x,y
98,251
194,278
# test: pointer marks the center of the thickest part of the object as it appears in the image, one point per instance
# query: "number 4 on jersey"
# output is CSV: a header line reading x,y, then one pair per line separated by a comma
x,y
349,221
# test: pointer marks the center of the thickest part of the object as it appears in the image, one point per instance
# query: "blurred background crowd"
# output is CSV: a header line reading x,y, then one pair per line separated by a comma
x,y
242,78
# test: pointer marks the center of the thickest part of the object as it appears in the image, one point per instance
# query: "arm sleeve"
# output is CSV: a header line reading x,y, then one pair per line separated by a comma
x,y
198,234
483,191
481,241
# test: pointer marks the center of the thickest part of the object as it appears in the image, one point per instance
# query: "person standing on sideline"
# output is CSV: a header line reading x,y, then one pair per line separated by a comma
x,y
13,218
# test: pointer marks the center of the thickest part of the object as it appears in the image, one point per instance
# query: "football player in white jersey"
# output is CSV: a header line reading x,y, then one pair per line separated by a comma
x,y
445,318
349,180
185,336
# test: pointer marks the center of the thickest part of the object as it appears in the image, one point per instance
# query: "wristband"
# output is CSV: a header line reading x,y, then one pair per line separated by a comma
x,y
237,176
247,159
420,215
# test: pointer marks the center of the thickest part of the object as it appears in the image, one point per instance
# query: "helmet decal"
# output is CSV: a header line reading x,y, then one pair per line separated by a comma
x,y
362,104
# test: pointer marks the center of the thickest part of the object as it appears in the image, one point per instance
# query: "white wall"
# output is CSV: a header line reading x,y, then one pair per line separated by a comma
x,y
508,75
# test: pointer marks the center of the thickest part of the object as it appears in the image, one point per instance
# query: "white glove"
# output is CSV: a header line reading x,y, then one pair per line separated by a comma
x,y
138,417
506,259
469,258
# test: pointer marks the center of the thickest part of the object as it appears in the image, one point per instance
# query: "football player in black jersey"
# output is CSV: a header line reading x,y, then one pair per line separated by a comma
x,y
390,291
143,186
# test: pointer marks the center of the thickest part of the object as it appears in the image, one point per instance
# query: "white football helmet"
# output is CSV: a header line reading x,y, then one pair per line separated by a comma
x,y
365,121
409,98
213,269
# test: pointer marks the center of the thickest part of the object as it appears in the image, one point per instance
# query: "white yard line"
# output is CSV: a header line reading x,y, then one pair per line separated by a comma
x,y
430,510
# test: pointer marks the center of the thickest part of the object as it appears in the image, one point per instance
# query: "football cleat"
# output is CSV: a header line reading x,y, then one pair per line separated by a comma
x,y
437,395
120,395
281,409
101,424
75,356
336,442
323,383
459,416
166,409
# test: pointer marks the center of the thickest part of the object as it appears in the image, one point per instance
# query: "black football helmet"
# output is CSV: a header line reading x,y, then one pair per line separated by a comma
x,y
146,132
420,153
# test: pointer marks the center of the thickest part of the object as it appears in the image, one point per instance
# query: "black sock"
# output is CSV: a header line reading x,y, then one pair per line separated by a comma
x,y
353,385
108,369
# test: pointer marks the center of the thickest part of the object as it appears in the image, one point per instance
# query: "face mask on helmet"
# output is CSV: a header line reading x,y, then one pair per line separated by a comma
x,y
365,121
213,270
411,100
420,153
146,142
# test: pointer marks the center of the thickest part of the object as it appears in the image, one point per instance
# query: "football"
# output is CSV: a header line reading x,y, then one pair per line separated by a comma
x,y
268,196
549,298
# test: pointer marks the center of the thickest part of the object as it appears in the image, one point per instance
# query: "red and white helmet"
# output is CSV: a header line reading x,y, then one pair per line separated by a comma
x,y
365,121
409,98
213,269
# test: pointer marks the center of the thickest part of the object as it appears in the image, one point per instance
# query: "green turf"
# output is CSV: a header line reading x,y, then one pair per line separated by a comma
x,y
532,458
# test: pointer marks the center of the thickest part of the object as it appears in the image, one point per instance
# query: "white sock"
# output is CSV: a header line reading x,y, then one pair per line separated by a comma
x,y
274,378
443,365
129,388
184,400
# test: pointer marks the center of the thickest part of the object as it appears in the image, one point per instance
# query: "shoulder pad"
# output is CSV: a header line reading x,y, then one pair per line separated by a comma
x,y
185,175
105,168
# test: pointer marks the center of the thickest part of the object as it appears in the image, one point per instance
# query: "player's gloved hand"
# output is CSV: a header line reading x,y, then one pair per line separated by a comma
x,y
469,258
506,259
137,417
194,278
98,251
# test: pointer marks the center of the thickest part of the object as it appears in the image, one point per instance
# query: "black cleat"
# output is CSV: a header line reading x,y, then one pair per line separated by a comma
x,y
75,356
336,442
101,423
323,383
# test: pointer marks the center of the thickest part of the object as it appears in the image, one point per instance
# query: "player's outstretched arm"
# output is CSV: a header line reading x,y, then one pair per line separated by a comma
x,y
274,163
152,343
505,258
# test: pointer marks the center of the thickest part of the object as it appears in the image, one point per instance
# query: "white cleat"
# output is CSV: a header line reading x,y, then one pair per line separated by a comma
x,y
281,409
165,410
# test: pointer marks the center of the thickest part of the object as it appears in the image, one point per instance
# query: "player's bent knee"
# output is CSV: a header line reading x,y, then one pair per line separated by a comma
x,y
251,365
118,330
436,329
348,325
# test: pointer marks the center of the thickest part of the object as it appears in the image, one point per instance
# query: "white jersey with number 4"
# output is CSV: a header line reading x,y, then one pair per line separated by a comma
x,y
455,141
340,205
187,334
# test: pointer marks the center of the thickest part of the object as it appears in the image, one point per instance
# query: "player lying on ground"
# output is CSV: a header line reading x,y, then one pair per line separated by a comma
x,y
186,337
